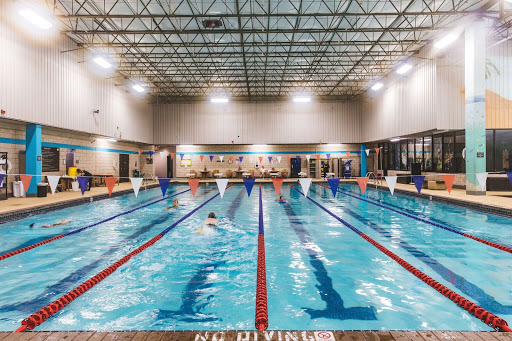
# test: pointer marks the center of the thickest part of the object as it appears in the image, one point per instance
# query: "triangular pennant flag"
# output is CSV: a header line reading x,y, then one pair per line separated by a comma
x,y
241,159
333,184
277,185
201,157
367,152
110,182
358,154
270,159
211,158
328,156
230,159
248,185
53,180
305,183
172,156
82,183
164,183
418,181
161,155
289,158
308,157
193,183
221,158
221,184
25,180
509,174
482,180
279,159
260,158
448,180
251,159
136,182
347,154
362,181
2,176
181,156
318,156
140,152
391,181
377,150
151,153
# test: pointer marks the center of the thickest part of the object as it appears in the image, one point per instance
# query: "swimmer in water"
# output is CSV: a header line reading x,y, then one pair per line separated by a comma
x,y
174,205
281,200
59,223
209,222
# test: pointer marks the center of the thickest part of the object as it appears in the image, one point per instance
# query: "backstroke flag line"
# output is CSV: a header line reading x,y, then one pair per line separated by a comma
x,y
418,181
82,183
136,182
363,182
164,183
305,184
110,182
277,185
482,180
333,184
448,180
53,180
248,185
391,181
222,184
193,183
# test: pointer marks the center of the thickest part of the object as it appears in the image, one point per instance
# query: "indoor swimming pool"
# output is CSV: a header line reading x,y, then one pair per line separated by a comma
x,y
320,274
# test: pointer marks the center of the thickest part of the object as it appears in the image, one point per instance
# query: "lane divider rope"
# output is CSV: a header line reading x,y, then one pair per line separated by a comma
x,y
51,309
467,235
33,246
261,320
483,315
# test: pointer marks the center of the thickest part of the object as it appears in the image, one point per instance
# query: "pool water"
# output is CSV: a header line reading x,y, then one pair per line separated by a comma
x,y
320,274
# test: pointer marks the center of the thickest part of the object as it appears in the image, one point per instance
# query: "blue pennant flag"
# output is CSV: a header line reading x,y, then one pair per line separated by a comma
x,y
1,179
358,154
334,183
328,156
82,183
164,183
181,156
151,153
248,185
509,174
241,159
418,181
211,158
270,159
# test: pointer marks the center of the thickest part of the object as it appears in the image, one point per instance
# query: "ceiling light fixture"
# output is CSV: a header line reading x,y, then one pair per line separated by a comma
x,y
301,99
219,100
35,19
138,88
395,139
377,86
404,69
445,41
102,62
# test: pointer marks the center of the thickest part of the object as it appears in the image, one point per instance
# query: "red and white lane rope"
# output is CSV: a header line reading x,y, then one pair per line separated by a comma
x,y
261,320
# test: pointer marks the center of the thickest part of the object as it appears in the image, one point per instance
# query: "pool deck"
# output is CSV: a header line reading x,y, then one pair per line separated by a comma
x,y
259,336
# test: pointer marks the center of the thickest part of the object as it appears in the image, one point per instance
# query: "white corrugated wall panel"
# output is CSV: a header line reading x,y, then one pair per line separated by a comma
x,y
44,86
257,123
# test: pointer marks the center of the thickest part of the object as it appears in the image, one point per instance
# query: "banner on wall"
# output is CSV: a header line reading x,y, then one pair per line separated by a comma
x,y
248,185
193,183
333,184
278,183
151,153
448,180
391,181
82,183
110,182
164,183
201,157
305,184
136,182
53,180
221,185
418,181
482,180
279,160
363,182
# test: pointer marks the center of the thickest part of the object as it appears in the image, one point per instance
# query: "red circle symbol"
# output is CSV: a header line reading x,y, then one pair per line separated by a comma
x,y
324,335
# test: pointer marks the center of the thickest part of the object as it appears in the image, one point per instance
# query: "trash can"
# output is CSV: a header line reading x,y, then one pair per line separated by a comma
x,y
17,189
42,190
74,186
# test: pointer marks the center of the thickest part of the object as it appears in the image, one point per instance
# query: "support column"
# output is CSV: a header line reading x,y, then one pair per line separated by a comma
x,y
475,47
33,156
363,159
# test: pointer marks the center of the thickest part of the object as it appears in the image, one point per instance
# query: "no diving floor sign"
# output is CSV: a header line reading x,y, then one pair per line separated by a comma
x,y
324,336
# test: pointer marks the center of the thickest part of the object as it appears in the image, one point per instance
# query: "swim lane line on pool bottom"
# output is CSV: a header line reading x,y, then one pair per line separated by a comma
x,y
45,313
47,241
483,315
467,235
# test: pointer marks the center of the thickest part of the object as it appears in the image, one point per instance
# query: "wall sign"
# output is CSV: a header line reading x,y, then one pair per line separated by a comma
x,y
50,159
480,154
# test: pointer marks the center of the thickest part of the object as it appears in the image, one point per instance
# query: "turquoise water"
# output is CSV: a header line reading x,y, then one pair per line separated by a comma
x,y
320,274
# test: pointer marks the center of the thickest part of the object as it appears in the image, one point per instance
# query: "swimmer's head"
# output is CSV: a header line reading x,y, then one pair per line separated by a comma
x,y
281,198
211,215
175,201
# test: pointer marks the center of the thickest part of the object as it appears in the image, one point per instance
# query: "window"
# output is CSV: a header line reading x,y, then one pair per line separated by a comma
x,y
437,156
410,154
403,154
385,156
503,147
489,150
418,156
460,142
427,153
394,155
448,152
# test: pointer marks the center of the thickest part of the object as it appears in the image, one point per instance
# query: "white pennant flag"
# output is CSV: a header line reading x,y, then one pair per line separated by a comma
x,y
279,159
221,184
136,182
367,152
54,181
307,157
305,183
161,155
482,179
391,180
221,157
251,159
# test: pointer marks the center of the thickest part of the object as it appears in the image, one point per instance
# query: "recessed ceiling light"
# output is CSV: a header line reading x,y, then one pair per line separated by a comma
x,y
377,86
35,19
219,100
446,40
404,69
301,99
138,88
102,62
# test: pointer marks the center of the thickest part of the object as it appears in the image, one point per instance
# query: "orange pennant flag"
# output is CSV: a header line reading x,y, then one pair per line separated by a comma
x,y
289,158
260,158
277,185
110,182
318,156
347,154
448,180
363,181
230,159
377,150
201,157
172,155
193,183
25,180
140,152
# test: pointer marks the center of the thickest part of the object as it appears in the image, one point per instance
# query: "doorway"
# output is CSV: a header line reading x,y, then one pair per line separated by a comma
x,y
169,167
124,167
295,167
70,159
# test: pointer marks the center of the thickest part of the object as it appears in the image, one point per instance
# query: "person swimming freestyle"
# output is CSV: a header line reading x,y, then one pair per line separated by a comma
x,y
281,200
59,223
209,222
173,206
